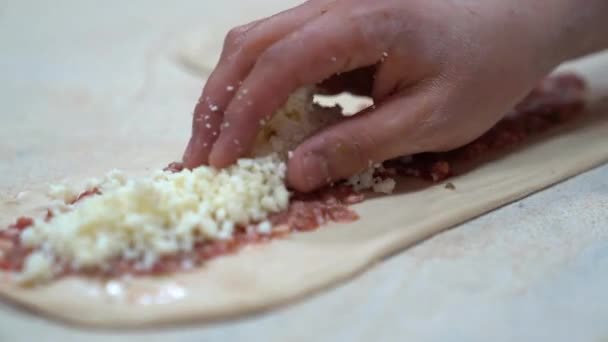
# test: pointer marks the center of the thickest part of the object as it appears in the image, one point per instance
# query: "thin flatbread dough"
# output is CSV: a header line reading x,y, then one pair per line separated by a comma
x,y
267,276
198,54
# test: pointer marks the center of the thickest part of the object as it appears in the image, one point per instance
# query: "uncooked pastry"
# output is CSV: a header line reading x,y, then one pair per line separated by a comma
x,y
198,54
270,275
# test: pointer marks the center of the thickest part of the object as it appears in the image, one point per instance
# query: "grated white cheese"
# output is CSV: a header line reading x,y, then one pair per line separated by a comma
x,y
298,119
366,181
143,219
385,186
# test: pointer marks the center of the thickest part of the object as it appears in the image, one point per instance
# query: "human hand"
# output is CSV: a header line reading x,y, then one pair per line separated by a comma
x,y
441,73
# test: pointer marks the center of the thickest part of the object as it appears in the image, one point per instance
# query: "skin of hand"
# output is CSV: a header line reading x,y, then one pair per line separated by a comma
x,y
441,73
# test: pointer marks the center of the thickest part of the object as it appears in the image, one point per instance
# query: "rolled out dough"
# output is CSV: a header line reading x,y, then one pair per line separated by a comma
x,y
267,276
198,54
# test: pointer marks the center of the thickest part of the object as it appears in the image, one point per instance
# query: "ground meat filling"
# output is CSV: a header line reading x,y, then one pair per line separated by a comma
x,y
12,254
310,211
556,100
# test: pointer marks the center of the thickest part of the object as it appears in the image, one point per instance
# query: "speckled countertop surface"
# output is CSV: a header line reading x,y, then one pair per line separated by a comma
x,y
534,270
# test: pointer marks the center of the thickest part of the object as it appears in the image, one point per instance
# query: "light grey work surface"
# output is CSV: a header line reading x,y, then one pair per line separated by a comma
x,y
534,270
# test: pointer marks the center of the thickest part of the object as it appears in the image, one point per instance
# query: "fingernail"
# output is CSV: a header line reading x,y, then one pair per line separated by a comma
x,y
315,170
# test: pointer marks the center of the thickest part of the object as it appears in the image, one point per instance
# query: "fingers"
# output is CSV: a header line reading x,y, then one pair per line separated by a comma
x,y
208,116
318,50
396,128
241,49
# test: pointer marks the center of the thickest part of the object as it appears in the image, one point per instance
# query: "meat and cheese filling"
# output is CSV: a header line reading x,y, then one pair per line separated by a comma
x,y
144,219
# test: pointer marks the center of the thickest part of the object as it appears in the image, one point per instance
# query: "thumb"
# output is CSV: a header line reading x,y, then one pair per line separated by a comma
x,y
353,144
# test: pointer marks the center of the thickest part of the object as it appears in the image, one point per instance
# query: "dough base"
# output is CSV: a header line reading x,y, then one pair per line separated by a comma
x,y
270,275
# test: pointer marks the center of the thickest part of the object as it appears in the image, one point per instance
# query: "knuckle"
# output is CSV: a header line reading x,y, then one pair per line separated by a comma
x,y
235,36
245,41
238,36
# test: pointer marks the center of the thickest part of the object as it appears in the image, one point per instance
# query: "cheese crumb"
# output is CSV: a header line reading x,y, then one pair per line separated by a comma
x,y
265,227
385,186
